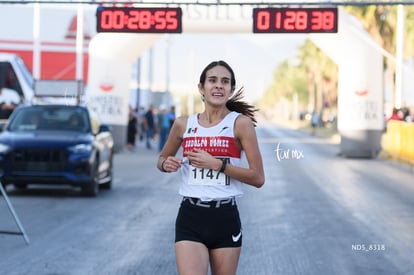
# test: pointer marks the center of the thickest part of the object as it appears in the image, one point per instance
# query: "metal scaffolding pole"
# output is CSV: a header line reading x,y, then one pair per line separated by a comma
x,y
16,219
221,2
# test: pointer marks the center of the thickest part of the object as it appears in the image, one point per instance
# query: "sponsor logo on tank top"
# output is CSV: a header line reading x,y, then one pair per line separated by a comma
x,y
216,146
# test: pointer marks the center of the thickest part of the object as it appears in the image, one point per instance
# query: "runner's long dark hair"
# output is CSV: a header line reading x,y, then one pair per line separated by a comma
x,y
235,103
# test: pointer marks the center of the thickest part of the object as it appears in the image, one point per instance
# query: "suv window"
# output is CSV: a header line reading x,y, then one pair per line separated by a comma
x,y
56,118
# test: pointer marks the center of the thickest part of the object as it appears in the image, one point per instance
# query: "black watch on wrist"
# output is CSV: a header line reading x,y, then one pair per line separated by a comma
x,y
223,166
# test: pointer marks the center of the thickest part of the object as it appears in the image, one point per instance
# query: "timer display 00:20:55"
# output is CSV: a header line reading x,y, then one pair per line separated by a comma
x,y
136,20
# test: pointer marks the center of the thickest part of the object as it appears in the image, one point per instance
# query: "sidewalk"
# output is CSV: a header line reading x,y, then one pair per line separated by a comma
x,y
335,137
304,126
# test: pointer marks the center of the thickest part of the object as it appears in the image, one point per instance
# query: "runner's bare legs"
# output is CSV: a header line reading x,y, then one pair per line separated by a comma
x,y
193,258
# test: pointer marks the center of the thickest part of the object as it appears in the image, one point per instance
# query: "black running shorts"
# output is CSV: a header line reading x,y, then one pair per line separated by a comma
x,y
216,224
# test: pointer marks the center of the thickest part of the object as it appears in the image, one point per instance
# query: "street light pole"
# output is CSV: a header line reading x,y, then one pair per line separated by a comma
x,y
399,57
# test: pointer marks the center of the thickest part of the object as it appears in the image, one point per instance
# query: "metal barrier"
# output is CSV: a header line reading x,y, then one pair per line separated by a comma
x,y
16,218
398,141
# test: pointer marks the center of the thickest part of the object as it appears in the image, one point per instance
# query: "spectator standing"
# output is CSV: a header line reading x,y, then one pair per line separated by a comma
x,y
132,130
395,115
171,115
163,126
314,122
149,126
405,113
140,115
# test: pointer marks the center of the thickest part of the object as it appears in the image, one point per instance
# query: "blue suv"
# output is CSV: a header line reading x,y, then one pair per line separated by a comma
x,y
56,145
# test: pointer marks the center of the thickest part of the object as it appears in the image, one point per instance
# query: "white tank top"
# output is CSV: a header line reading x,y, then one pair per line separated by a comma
x,y
218,141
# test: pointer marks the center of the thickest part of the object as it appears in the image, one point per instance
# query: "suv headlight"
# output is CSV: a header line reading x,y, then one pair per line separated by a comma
x,y
4,148
80,148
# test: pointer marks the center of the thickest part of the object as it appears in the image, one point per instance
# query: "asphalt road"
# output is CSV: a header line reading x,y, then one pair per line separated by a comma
x,y
318,213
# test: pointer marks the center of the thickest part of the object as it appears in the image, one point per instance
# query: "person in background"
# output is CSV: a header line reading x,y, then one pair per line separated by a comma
x,y
314,122
171,115
131,130
163,126
34,120
405,114
208,226
140,115
9,99
395,115
149,126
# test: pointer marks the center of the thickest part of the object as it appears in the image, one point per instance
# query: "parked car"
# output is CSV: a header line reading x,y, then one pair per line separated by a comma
x,y
58,145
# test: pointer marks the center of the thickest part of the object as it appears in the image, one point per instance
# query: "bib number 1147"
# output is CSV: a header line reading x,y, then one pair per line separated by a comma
x,y
204,176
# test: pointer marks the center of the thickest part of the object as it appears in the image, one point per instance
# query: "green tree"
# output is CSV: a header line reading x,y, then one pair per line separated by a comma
x,y
322,76
289,82
315,79
381,23
311,77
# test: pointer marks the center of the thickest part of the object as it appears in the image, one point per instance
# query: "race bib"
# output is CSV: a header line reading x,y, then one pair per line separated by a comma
x,y
207,177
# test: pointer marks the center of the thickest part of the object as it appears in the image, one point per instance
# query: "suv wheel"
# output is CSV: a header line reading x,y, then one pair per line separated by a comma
x,y
91,188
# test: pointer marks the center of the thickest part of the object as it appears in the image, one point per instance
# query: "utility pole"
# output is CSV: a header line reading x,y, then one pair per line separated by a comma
x,y
399,56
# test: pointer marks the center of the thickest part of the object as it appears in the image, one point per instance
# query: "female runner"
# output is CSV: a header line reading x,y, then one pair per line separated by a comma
x,y
208,227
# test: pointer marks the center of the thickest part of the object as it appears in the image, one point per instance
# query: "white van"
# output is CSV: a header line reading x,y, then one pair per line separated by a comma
x,y
15,75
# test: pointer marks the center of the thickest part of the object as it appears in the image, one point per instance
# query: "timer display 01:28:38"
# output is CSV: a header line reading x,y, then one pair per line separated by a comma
x,y
295,20
139,20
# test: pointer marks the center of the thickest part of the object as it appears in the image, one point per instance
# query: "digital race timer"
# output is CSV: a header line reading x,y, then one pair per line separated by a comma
x,y
295,20
139,20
